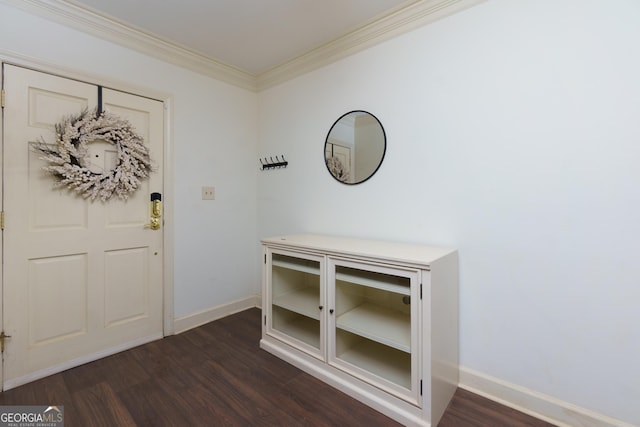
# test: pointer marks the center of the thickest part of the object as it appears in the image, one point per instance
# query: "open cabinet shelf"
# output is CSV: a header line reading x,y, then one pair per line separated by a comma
x,y
303,301
374,280
380,324
385,362
295,264
300,327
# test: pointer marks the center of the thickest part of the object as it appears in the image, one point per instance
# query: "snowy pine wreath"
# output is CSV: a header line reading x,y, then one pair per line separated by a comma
x,y
69,157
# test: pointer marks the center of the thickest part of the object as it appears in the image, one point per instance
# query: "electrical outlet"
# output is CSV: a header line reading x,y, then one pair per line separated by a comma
x,y
208,193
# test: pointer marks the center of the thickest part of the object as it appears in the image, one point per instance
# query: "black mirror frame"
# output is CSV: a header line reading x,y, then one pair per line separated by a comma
x,y
384,150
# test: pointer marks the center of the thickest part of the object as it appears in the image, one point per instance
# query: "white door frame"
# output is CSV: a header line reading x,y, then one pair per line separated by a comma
x,y
168,188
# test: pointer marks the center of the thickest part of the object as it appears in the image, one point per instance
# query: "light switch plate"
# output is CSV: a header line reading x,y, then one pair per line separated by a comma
x,y
208,193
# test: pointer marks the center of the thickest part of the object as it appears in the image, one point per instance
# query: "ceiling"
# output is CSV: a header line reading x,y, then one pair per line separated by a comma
x,y
251,35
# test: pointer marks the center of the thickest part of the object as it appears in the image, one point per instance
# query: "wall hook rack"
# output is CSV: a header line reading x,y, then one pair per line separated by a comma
x,y
270,163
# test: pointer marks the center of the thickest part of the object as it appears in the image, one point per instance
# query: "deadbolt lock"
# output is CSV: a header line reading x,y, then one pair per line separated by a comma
x,y
155,212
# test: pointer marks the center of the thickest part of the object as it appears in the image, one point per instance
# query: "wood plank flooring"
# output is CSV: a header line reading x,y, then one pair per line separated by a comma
x,y
216,375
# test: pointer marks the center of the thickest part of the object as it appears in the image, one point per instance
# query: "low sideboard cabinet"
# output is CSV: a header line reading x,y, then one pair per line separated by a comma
x,y
376,320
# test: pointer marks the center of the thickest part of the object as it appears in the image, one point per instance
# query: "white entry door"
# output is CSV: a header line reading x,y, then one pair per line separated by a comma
x,y
81,279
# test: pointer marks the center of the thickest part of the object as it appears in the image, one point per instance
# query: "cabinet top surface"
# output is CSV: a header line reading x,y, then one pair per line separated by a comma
x,y
383,250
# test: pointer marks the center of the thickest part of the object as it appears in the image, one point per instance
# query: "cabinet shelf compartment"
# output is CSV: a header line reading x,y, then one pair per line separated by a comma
x,y
297,264
302,328
303,301
380,324
369,356
385,282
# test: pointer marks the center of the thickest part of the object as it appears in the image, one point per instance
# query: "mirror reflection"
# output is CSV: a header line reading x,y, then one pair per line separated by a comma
x,y
355,147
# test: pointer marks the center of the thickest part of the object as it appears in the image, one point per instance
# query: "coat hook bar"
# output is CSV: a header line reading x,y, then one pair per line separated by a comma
x,y
270,163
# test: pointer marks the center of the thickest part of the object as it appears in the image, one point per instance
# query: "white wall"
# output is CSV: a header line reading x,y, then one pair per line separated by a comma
x,y
514,135
214,141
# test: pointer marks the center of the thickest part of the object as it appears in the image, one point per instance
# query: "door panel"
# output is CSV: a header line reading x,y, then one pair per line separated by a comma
x,y
126,293
140,112
46,322
81,279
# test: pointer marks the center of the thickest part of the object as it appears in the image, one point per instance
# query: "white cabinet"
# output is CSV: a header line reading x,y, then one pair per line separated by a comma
x,y
377,320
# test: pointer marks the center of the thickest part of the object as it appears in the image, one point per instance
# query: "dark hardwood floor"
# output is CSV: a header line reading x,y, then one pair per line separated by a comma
x,y
216,375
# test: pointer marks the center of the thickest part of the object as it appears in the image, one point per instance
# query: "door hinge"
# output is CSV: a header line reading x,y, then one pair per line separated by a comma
x,y
265,319
2,98
3,336
420,387
1,220
265,258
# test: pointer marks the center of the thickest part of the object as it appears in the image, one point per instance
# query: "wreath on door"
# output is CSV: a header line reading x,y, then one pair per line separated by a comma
x,y
337,169
69,158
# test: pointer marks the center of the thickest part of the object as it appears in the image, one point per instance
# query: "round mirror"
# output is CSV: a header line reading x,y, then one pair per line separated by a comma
x,y
355,147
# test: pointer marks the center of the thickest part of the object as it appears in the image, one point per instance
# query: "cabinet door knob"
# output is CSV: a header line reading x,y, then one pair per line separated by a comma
x,y
320,307
331,311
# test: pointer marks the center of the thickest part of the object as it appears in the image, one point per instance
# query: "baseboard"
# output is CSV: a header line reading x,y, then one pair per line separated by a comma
x,y
194,320
536,404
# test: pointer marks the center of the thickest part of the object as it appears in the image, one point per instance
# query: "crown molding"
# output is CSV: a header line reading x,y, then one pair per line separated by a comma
x,y
399,21
100,26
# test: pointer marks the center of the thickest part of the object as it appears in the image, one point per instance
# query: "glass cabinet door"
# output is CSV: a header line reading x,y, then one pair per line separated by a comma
x,y
296,299
373,325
